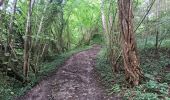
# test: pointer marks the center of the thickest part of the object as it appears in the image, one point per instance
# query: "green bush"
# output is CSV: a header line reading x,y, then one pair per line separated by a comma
x,y
151,90
139,95
167,77
160,88
116,88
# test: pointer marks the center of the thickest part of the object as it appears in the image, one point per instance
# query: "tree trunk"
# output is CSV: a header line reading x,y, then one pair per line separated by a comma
x,y
103,17
104,22
61,42
157,26
68,37
12,21
1,2
36,47
10,34
130,58
27,41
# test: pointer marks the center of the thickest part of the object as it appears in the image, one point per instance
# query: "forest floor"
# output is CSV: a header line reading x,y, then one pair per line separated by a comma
x,y
77,79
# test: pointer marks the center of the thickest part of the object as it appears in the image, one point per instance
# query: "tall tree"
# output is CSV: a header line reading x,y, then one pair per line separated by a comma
x,y
1,2
27,41
130,57
12,21
103,17
157,25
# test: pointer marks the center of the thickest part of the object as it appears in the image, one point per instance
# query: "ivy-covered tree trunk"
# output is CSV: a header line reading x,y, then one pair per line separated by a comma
x,y
130,57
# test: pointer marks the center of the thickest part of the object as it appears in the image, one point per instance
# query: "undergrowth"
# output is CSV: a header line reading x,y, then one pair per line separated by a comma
x,y
10,88
157,79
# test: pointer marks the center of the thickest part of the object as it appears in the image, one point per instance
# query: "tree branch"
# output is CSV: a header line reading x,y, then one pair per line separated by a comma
x,y
145,15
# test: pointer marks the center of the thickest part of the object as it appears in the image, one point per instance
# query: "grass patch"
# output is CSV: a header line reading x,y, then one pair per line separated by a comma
x,y
104,67
10,88
111,80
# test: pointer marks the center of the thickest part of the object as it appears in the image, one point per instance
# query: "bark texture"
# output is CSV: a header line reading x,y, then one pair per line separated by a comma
x,y
12,21
131,61
27,42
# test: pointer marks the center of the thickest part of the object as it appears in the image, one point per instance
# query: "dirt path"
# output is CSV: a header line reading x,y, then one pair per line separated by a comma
x,y
76,80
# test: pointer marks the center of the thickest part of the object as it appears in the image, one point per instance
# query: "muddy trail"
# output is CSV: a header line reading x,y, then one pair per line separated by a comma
x,y
77,79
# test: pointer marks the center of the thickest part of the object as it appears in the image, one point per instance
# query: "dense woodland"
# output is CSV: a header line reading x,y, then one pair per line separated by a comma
x,y
38,35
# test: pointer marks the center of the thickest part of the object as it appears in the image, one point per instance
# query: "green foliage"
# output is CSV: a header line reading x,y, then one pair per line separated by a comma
x,y
151,90
55,29
116,88
104,68
5,90
154,86
113,81
78,22
97,39
138,95
167,77
83,18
